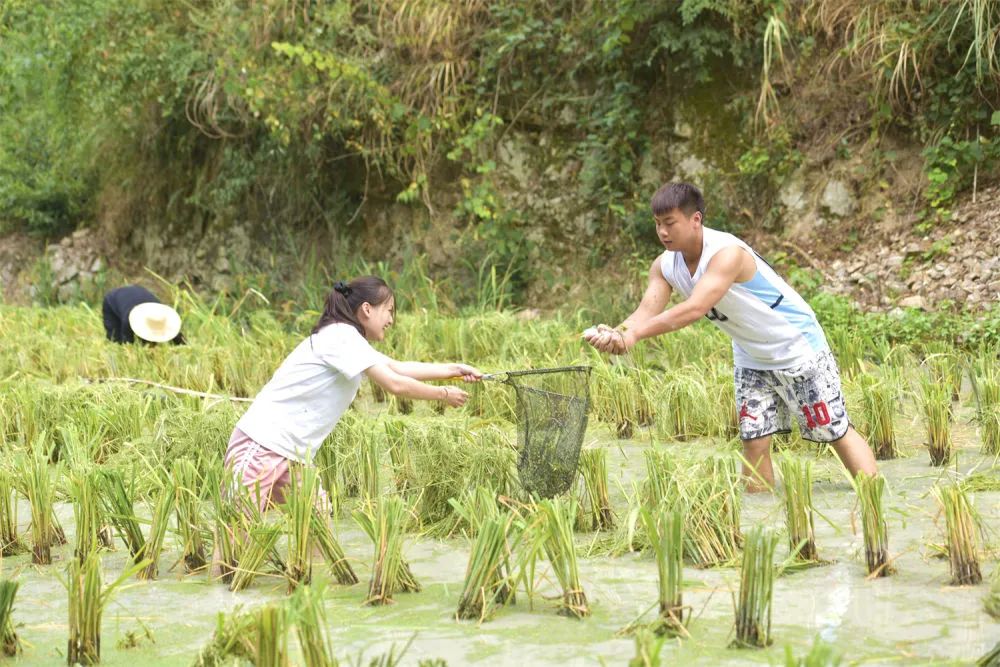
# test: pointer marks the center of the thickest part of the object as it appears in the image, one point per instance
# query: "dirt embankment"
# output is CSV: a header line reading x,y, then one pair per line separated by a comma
x,y
18,255
890,264
953,265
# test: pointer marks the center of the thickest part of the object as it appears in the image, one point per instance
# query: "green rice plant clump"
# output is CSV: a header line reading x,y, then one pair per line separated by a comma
x,y
84,488
712,503
400,455
849,348
665,532
945,368
879,398
754,605
224,493
384,523
628,536
371,488
272,637
187,498
648,646
871,490
36,485
310,626
88,598
492,453
326,464
244,541
477,505
646,385
346,444
9,643
298,509
724,415
233,638
487,582
962,529
986,389
161,508
687,411
80,444
10,542
117,498
554,527
661,477
707,494
935,404
594,470
617,400
258,542
796,474
328,545
449,459
989,430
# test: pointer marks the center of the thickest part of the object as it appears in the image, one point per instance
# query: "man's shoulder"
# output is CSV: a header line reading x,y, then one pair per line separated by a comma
x,y
664,261
724,237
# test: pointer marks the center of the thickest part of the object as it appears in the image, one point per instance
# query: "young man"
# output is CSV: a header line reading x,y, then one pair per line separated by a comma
x,y
784,366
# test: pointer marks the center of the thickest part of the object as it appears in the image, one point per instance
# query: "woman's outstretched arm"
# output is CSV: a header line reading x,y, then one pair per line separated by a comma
x,y
419,370
405,386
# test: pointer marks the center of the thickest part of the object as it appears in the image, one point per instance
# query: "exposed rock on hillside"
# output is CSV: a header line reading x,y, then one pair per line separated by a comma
x,y
953,264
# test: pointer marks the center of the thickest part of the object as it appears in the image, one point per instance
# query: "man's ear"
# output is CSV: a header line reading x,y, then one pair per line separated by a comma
x,y
700,217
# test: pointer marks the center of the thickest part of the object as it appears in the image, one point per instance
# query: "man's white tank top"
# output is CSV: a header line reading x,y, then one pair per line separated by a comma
x,y
771,326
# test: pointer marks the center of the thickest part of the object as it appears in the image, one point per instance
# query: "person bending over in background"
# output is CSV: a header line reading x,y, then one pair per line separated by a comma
x,y
783,363
133,311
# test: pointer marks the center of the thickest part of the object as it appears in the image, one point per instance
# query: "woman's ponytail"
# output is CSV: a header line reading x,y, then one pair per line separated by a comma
x,y
345,298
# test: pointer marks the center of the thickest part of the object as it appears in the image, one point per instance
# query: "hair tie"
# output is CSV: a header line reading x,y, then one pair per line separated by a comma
x,y
341,286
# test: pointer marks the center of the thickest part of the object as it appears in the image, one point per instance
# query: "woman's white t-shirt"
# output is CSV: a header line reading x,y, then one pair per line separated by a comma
x,y
312,388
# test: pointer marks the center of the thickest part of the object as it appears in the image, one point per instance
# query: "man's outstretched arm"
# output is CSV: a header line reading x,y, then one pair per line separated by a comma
x,y
726,268
654,300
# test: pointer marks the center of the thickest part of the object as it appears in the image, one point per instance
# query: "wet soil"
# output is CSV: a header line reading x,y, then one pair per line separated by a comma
x,y
912,617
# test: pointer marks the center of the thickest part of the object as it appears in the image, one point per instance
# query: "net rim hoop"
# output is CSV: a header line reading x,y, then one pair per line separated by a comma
x,y
540,371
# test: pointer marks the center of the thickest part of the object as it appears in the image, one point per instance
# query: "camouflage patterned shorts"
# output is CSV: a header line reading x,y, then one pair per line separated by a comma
x,y
766,400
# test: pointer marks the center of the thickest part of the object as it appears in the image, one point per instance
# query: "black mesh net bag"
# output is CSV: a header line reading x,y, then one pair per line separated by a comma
x,y
552,409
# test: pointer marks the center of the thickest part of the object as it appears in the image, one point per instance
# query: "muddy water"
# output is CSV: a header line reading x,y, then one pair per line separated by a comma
x,y
913,617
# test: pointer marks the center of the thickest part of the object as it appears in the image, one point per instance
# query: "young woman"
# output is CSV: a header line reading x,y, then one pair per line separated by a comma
x,y
301,404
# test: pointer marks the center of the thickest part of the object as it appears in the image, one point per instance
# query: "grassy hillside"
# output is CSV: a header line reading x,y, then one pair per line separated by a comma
x,y
521,131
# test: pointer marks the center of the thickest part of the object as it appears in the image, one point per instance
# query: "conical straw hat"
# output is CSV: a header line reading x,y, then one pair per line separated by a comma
x,y
154,322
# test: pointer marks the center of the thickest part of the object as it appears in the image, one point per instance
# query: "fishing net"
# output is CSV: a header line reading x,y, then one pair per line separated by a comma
x,y
552,409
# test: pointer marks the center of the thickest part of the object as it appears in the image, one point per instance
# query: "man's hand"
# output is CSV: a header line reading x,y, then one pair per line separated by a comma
x,y
467,373
609,340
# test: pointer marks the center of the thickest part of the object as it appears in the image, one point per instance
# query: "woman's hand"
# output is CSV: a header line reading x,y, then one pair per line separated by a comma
x,y
454,397
467,373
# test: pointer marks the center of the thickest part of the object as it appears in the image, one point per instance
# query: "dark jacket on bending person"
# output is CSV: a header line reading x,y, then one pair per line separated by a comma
x,y
118,303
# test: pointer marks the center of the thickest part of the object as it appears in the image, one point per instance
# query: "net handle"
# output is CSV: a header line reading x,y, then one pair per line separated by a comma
x,y
505,376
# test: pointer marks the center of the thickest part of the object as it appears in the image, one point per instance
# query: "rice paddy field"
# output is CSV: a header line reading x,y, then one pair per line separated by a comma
x,y
428,552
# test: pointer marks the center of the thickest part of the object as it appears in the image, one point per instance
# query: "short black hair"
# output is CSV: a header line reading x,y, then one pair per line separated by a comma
x,y
684,196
